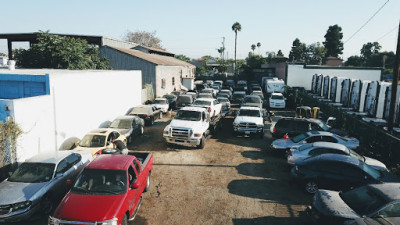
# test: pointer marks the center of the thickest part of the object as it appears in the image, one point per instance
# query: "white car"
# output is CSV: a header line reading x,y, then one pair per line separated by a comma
x,y
212,105
277,101
249,121
161,103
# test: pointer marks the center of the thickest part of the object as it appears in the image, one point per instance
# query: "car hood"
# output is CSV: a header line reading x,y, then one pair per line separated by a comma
x,y
89,208
91,150
161,105
184,123
329,203
13,192
283,143
252,104
378,165
249,119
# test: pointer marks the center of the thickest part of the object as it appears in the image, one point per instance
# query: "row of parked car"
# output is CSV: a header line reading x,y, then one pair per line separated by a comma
x,y
348,188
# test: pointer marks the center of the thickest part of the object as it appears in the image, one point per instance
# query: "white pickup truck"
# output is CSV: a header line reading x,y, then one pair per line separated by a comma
x,y
212,105
190,127
249,121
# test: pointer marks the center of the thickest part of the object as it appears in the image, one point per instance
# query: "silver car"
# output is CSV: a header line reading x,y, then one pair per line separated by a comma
x,y
39,184
318,148
311,137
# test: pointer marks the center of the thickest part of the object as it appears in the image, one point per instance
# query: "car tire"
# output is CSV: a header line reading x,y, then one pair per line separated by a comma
x,y
47,205
147,183
124,220
311,186
202,142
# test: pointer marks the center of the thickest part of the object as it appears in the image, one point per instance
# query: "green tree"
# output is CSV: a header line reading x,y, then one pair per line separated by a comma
x,y
53,51
369,49
354,60
253,47
270,56
258,46
279,53
183,58
315,54
236,27
298,52
3,54
221,51
144,38
333,41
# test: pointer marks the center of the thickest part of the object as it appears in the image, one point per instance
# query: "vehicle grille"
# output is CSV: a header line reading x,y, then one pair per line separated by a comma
x,y
181,133
5,209
248,125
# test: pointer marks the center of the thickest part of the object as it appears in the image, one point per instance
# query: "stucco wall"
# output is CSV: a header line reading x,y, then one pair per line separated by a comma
x,y
167,73
301,75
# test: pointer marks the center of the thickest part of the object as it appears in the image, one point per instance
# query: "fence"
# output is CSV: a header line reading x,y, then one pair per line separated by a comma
x,y
375,141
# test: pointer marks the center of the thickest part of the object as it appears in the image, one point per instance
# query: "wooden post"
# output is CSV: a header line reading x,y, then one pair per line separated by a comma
x,y
395,82
9,45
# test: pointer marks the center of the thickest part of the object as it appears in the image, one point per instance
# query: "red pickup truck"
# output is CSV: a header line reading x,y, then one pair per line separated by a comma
x,y
108,191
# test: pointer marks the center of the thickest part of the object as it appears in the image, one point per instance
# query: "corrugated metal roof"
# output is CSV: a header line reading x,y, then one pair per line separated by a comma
x,y
154,58
156,50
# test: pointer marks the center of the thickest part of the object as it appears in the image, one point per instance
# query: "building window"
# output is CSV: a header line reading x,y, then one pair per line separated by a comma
x,y
173,80
163,83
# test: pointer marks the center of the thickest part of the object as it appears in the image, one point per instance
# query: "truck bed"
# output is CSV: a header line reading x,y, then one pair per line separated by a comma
x,y
142,157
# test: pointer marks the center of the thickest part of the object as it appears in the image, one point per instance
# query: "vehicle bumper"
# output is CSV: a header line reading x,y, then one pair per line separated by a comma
x,y
277,106
20,216
252,131
181,141
280,150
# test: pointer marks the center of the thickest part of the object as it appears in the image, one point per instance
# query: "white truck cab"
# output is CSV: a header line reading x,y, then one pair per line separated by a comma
x,y
249,121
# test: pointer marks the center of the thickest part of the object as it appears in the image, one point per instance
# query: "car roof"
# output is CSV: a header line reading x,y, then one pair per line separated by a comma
x,y
205,99
160,99
250,108
223,98
323,144
324,133
126,117
102,131
252,96
51,157
239,92
277,93
334,158
390,191
191,108
301,119
111,161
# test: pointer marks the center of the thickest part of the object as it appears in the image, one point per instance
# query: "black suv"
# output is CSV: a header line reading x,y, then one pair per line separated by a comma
x,y
295,126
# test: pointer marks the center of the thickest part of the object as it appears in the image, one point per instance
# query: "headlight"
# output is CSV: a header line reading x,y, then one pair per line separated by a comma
x,y
53,221
235,124
197,135
165,132
110,222
21,205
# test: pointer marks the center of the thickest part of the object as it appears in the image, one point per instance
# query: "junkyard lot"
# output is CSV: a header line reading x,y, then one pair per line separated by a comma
x,y
233,180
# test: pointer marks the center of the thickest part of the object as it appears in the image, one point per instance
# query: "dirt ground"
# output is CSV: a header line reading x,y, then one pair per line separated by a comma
x,y
233,180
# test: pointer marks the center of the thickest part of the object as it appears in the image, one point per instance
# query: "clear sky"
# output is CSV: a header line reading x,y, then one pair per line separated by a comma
x,y
197,28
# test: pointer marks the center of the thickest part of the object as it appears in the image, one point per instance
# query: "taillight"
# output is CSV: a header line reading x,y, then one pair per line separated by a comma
x,y
286,136
209,109
274,130
290,153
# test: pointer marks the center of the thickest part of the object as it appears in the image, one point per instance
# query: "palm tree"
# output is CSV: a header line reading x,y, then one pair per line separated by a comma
x,y
236,27
253,47
258,46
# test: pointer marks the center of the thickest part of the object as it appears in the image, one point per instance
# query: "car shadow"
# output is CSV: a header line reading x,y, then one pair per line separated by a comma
x,y
301,220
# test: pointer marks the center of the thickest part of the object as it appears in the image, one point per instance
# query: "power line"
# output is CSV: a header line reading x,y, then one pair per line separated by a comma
x,y
367,21
394,28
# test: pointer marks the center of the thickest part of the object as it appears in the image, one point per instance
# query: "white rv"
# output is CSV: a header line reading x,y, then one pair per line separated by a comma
x,y
274,85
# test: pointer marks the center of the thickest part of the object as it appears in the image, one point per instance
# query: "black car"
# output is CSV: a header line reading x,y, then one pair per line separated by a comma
x,y
337,172
237,97
370,201
184,100
171,100
130,126
148,113
295,126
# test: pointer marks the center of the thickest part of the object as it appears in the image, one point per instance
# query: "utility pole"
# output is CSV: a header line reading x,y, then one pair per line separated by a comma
x,y
223,48
395,82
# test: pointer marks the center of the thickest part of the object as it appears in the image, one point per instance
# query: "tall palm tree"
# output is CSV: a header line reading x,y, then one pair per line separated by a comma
x,y
258,46
236,27
253,47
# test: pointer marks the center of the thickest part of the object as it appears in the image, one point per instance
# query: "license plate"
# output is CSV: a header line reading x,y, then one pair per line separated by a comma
x,y
247,132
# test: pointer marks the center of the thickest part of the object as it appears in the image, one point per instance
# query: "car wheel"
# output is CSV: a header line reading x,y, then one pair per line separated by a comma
x,y
147,183
124,220
47,205
202,143
141,130
311,187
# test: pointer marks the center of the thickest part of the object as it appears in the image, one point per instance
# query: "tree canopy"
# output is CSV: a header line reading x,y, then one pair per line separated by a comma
x,y
53,51
315,54
333,41
183,58
145,38
297,54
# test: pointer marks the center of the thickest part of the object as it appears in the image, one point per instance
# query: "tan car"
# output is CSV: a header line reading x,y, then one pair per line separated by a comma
x,y
97,140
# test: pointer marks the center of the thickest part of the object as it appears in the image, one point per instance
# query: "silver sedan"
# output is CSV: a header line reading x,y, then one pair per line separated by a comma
x,y
39,183
296,154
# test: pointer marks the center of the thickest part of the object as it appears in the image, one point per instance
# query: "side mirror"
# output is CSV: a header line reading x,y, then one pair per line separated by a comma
x,y
135,185
69,183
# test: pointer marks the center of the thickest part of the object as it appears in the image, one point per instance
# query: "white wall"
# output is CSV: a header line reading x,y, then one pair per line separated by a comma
x,y
301,75
85,99
35,117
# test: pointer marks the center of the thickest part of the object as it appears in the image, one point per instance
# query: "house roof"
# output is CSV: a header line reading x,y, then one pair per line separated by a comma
x,y
156,50
154,58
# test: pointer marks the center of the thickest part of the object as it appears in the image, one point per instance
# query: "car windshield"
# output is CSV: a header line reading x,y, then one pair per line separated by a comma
x,y
299,137
101,182
238,95
121,124
322,125
371,171
93,141
160,101
140,110
276,97
363,200
169,97
188,115
223,99
249,112
201,102
206,91
30,172
252,100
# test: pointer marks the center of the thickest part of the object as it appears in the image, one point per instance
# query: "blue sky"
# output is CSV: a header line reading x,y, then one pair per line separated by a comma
x,y
196,28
